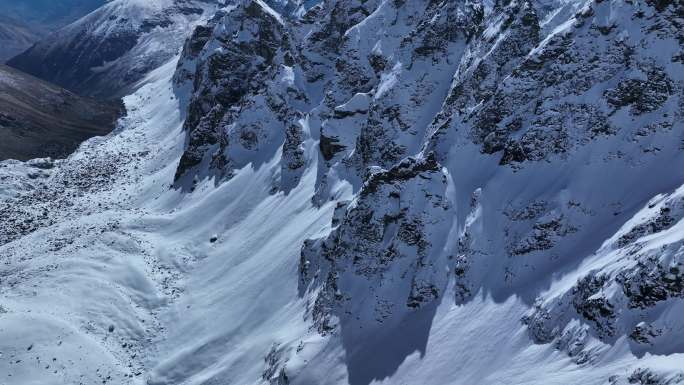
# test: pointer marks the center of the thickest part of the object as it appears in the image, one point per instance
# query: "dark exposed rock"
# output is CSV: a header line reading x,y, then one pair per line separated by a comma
x,y
421,293
234,115
407,169
275,372
644,333
654,225
535,112
649,283
329,147
593,306
620,298
642,95
644,377
374,240
545,231
293,157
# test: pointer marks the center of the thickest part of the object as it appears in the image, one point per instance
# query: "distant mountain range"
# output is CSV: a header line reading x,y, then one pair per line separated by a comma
x,y
52,13
24,22
15,36
109,50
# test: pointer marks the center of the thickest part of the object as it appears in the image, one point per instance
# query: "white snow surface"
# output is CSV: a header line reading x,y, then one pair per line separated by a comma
x,y
135,282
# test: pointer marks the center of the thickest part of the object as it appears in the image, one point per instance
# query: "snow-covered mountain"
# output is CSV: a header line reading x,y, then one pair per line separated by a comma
x,y
24,22
105,53
368,192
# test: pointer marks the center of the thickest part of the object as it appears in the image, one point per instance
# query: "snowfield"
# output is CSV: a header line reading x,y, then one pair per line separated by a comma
x,y
398,194
133,253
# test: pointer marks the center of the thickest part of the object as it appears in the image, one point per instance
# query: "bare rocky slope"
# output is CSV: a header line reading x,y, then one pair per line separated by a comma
x,y
39,119
368,192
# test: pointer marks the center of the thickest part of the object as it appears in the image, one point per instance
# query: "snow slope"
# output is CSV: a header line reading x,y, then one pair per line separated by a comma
x,y
369,193
140,273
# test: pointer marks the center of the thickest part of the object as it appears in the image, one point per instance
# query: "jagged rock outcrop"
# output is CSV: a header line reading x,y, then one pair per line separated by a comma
x,y
486,62
386,83
360,192
537,109
470,155
245,93
384,256
638,271
645,376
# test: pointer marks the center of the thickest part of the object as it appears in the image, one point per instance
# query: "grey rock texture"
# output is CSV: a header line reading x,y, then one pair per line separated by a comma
x,y
488,147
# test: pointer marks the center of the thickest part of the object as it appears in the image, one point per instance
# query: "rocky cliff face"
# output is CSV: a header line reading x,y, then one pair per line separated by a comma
x,y
385,255
245,94
492,148
636,277
536,110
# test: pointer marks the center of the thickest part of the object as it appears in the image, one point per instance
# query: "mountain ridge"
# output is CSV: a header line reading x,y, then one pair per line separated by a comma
x,y
25,23
370,192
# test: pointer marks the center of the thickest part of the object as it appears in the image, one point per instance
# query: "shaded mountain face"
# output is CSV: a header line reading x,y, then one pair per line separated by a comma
x,y
456,123
24,22
15,37
38,119
105,53
50,13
